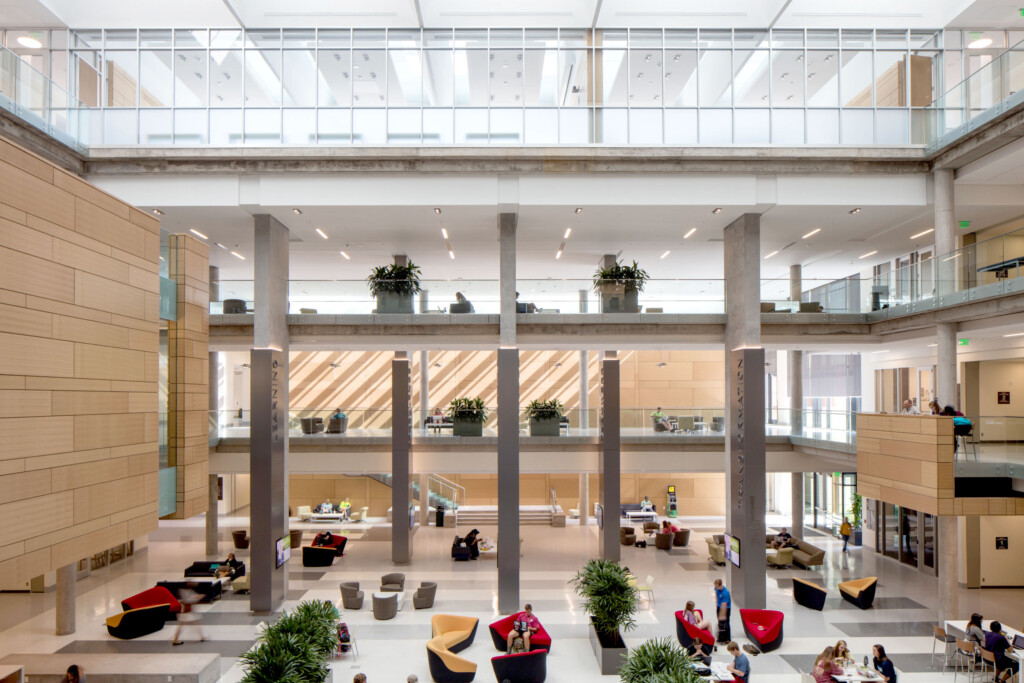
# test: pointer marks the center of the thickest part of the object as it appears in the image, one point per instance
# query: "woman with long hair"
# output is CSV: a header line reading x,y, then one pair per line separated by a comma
x,y
825,666
841,653
883,665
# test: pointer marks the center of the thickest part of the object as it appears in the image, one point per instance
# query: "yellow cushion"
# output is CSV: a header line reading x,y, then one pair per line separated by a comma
x,y
451,660
857,585
812,585
444,623
451,638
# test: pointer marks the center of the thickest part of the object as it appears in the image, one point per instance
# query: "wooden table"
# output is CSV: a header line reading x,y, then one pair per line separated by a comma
x,y
960,631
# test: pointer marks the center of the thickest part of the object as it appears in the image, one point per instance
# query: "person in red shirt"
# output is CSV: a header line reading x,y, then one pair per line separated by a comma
x,y
532,625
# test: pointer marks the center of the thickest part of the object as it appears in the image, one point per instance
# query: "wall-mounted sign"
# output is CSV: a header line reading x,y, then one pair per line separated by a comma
x,y
964,225
1002,543
1003,398
963,342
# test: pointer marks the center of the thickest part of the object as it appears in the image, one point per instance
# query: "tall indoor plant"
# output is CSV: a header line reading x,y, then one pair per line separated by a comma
x,y
610,598
545,417
296,647
619,287
858,517
468,416
659,660
394,285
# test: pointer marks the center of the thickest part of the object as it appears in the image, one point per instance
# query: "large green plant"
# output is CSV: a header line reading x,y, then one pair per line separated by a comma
x,y
609,597
296,647
545,410
659,660
394,279
468,410
632,277
857,510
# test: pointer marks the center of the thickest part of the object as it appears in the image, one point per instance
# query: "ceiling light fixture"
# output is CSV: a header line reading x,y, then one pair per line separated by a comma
x,y
237,255
558,254
881,351
444,233
568,231
771,254
437,210
579,209
870,253
221,246
1015,334
451,254
162,258
33,44
922,234
979,44
812,233
198,234
854,211
158,212
297,212
716,211
690,233
667,252
321,233
347,257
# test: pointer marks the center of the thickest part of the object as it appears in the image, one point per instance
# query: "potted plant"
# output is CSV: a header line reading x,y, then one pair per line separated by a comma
x,y
394,285
296,647
468,416
659,660
610,598
545,417
858,510
619,287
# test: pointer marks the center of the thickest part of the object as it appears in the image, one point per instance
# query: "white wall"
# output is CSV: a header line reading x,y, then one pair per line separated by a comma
x,y
1002,567
995,376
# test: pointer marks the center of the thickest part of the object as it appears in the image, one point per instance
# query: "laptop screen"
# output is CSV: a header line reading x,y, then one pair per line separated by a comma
x,y
1018,642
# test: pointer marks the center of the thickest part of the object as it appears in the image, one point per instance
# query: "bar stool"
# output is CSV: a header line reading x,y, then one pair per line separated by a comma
x,y
987,657
965,649
948,642
961,433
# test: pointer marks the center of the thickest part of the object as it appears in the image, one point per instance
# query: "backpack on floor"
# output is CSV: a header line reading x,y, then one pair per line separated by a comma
x,y
344,641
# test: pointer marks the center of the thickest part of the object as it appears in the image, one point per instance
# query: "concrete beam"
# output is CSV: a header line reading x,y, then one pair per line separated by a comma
x,y
36,141
1000,131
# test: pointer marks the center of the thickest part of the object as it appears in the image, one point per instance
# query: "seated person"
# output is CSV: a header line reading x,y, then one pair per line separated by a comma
x,y
325,507
438,417
524,307
323,538
345,508
667,528
472,541
338,414
997,644
661,418
229,567
740,667
646,505
783,540
691,617
463,303
524,625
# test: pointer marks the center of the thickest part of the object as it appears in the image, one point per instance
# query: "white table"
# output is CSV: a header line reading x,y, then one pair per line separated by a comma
x,y
327,517
642,515
387,594
852,674
960,628
719,672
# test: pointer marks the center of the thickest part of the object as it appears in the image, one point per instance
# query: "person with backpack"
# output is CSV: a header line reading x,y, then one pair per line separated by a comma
x,y
845,530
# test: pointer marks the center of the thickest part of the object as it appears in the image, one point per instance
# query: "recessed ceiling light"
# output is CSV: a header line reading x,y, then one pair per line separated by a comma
x,y
568,231
198,234
451,254
558,254
444,233
297,212
579,209
934,345
716,211
33,44
771,254
854,211
922,234
979,44
1015,334
237,255
870,253
812,233
321,233
667,252
162,258
347,257
158,212
437,211
689,233
221,246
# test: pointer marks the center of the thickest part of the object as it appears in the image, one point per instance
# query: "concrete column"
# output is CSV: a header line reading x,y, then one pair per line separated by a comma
x,y
610,459
584,499
66,594
796,391
424,388
945,367
745,419
211,517
584,391
507,280
947,553
401,460
213,382
796,282
214,283
946,272
508,479
424,499
268,396
797,503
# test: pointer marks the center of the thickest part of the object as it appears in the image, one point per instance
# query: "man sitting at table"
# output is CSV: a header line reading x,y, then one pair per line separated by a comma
x,y
783,539
997,644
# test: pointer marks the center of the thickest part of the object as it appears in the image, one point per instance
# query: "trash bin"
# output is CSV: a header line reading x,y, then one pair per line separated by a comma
x,y
439,519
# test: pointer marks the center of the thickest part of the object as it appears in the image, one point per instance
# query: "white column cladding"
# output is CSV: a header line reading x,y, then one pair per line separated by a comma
x,y
66,595
945,368
401,459
949,562
610,459
796,495
745,419
796,282
945,227
268,396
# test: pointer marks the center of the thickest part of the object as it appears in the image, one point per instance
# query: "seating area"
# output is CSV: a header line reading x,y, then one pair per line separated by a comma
x,y
135,623
500,629
808,594
521,667
804,554
451,634
336,542
157,595
763,627
859,592
690,637
203,568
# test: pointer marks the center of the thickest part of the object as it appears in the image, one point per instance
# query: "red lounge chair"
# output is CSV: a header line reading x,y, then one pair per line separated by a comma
x,y
763,627
337,542
690,637
501,628
157,595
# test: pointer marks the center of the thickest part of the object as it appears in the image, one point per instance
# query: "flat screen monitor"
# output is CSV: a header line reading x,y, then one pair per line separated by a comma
x,y
732,549
1018,642
284,549
599,513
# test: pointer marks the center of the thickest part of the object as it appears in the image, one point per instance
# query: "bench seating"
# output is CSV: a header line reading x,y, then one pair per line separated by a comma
x,y
808,594
764,627
500,629
860,592
121,668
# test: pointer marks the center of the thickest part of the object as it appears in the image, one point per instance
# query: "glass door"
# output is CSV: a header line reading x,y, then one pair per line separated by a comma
x,y
890,531
929,541
908,536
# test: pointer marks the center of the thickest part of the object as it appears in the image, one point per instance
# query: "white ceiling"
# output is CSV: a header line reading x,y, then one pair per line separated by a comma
x,y
504,13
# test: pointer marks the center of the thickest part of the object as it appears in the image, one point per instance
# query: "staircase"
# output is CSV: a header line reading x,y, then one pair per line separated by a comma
x,y
434,500
489,517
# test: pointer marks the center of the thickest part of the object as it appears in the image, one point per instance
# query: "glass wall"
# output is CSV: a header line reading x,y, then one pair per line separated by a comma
x,y
833,495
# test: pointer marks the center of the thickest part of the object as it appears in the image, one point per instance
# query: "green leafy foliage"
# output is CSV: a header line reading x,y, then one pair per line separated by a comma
x,y
608,596
296,647
468,410
659,660
632,277
394,279
858,510
545,410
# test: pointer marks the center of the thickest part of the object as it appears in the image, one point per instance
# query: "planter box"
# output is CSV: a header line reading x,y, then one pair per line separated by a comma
x,y
548,427
618,299
609,659
390,302
857,538
467,427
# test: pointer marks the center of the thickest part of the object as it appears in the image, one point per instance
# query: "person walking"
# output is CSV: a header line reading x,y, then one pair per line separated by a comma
x,y
845,530
189,598
723,605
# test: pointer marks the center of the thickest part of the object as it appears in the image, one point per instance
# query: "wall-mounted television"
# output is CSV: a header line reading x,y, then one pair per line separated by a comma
x,y
284,549
732,549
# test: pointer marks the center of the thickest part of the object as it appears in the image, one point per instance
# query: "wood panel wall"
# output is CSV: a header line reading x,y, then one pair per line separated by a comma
x,y
79,341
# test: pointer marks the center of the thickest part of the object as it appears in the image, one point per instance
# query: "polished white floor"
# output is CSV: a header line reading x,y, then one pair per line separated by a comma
x,y
390,650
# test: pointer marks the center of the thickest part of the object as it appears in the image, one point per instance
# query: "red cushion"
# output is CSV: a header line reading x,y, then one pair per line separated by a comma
x,y
503,627
336,541
762,624
157,595
694,632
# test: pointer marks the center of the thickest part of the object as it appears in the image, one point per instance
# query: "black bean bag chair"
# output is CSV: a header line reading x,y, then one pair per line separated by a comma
x,y
809,595
522,667
318,556
135,623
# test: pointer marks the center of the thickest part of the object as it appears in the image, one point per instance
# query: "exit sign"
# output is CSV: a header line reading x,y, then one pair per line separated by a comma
x,y
965,224
963,342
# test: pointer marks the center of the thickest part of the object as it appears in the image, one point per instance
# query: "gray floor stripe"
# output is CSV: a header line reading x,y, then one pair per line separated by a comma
x,y
224,648
890,629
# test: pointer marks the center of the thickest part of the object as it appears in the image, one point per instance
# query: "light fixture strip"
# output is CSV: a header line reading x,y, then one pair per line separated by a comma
x,y
198,234
922,233
667,252
870,253
689,233
237,255
444,233
812,233
568,231
321,233
771,254
347,257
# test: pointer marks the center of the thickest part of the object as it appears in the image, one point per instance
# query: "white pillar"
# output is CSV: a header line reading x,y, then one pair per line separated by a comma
x,y
66,576
796,282
945,370
796,392
945,232
584,501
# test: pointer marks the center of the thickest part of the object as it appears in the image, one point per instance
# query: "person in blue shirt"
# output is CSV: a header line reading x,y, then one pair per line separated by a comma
x,y
740,667
723,607
997,644
883,665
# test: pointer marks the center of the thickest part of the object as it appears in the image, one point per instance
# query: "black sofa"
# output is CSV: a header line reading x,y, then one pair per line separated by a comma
x,y
459,551
522,667
634,507
318,556
209,569
210,590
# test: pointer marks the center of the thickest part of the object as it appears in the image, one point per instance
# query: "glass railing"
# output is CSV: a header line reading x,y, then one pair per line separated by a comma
x,y
994,441
38,101
587,296
339,297
988,92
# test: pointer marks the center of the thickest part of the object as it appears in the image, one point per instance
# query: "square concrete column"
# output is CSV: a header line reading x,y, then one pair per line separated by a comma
x,y
584,391
401,460
213,424
66,596
507,274
424,499
268,451
797,502
610,459
745,419
212,531
945,368
583,504
948,557
796,392
508,480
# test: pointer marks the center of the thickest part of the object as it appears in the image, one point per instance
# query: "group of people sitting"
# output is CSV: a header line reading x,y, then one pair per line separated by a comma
x,y
996,642
833,658
327,507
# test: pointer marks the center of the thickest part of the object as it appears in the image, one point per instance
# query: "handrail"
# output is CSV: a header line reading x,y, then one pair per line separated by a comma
x,y
554,501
